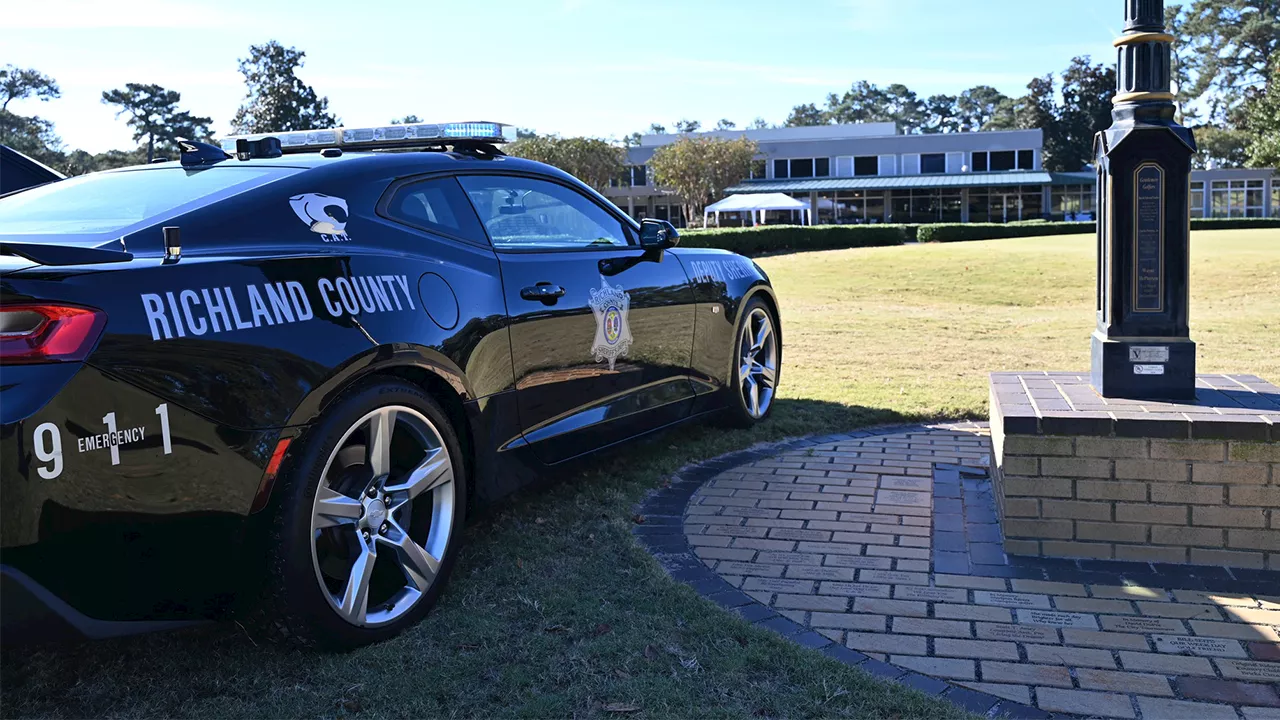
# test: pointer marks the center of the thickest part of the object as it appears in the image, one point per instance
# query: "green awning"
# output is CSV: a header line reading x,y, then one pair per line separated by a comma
x,y
1084,177
896,182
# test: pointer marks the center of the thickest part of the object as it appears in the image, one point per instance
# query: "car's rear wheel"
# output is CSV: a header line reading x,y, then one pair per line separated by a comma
x,y
370,521
757,355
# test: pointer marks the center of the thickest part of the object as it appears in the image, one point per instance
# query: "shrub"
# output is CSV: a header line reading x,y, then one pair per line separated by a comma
x,y
1234,223
954,232
773,238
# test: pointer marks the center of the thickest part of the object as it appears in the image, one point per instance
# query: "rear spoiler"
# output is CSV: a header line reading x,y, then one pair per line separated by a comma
x,y
63,254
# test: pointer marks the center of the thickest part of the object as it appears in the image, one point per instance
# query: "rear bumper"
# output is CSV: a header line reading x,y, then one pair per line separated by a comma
x,y
30,613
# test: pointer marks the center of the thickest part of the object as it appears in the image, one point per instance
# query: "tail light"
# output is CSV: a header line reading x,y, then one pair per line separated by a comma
x,y
45,332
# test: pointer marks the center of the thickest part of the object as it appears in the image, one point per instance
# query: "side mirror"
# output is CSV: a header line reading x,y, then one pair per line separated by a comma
x,y
658,234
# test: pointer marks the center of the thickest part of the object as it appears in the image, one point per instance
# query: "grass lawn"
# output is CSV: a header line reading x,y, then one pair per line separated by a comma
x,y
554,611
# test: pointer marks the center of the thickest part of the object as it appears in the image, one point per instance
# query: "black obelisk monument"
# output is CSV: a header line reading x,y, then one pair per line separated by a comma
x,y
1142,348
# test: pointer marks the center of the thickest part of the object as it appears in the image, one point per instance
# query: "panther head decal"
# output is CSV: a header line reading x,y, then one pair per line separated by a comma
x,y
323,213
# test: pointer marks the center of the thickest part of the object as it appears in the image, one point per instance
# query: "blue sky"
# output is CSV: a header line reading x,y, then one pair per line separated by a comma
x,y
590,67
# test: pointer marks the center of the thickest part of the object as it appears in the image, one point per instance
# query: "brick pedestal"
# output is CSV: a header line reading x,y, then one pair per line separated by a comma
x,y
1079,475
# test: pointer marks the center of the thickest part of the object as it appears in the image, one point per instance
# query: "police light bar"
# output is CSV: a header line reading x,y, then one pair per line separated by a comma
x,y
384,137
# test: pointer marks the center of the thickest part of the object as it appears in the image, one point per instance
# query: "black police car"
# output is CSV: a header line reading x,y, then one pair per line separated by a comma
x,y
284,373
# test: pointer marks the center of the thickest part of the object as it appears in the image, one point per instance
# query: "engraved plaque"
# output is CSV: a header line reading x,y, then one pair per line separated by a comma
x,y
1149,354
1215,647
1014,600
1057,619
1248,670
1148,239
1148,369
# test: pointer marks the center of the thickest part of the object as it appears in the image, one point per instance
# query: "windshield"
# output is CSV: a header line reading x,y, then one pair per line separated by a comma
x,y
111,202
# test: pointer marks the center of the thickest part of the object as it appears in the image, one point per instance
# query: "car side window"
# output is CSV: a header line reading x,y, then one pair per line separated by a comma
x,y
526,213
437,205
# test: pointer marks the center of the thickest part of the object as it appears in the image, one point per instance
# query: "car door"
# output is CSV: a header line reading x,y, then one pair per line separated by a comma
x,y
601,331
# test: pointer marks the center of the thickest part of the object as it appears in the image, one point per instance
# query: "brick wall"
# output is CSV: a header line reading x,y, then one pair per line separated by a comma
x,y
1207,502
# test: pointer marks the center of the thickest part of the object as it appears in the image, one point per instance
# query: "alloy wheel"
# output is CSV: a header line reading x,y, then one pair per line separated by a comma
x,y
758,362
382,516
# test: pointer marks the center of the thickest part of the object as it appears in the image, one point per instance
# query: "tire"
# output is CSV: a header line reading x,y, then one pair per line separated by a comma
x,y
334,513
762,369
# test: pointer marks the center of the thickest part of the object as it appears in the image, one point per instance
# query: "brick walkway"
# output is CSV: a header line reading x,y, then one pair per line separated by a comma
x,y
840,538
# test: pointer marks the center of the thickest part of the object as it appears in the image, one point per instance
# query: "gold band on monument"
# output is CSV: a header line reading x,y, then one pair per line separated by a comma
x,y
1142,97
1135,38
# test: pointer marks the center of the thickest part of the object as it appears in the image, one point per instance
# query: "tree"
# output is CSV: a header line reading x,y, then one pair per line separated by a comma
x,y
1228,48
758,124
656,129
1260,122
687,126
905,108
32,136
1220,147
632,140
976,107
593,161
726,124
19,83
1085,111
806,115
700,168
278,101
154,115
410,119
940,115
862,102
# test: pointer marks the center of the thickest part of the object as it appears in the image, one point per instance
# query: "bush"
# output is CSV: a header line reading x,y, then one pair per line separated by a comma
x,y
954,232
1234,223
773,238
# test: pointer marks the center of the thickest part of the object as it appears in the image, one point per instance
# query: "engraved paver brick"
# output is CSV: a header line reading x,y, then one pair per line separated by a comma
x,y
1260,713
715,553
1166,709
760,544
819,572
911,565
1126,682
979,649
1083,702
837,548
1025,674
849,621
1179,610
894,577
1204,646
935,594
1234,630
1129,592
1048,588
1206,598
936,666
890,607
882,642
1094,605
1253,616
1142,624
1228,691
1013,600
1019,633
1104,639
972,612
1016,693
848,589
969,581
1056,619
788,558
855,561
1074,656
935,628
1166,664
1249,670
794,534
824,603
778,585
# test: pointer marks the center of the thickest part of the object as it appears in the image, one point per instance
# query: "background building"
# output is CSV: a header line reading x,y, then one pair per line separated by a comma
x,y
870,173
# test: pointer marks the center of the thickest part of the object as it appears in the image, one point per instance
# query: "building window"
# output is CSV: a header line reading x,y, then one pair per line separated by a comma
x,y
1072,202
1004,160
857,208
1275,197
822,167
1237,198
780,169
1197,199
802,168
933,163
866,165
639,175
980,162
758,169
1026,160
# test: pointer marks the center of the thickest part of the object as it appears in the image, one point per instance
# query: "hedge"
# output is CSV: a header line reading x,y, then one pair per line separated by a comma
x,y
953,232
773,238
1234,223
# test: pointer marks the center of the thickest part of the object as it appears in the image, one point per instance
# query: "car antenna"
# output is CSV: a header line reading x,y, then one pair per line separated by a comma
x,y
198,154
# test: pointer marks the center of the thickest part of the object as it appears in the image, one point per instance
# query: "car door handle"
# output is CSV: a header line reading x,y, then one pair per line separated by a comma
x,y
543,292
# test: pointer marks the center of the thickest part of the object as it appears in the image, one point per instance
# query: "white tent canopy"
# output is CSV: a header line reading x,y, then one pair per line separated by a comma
x,y
756,203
